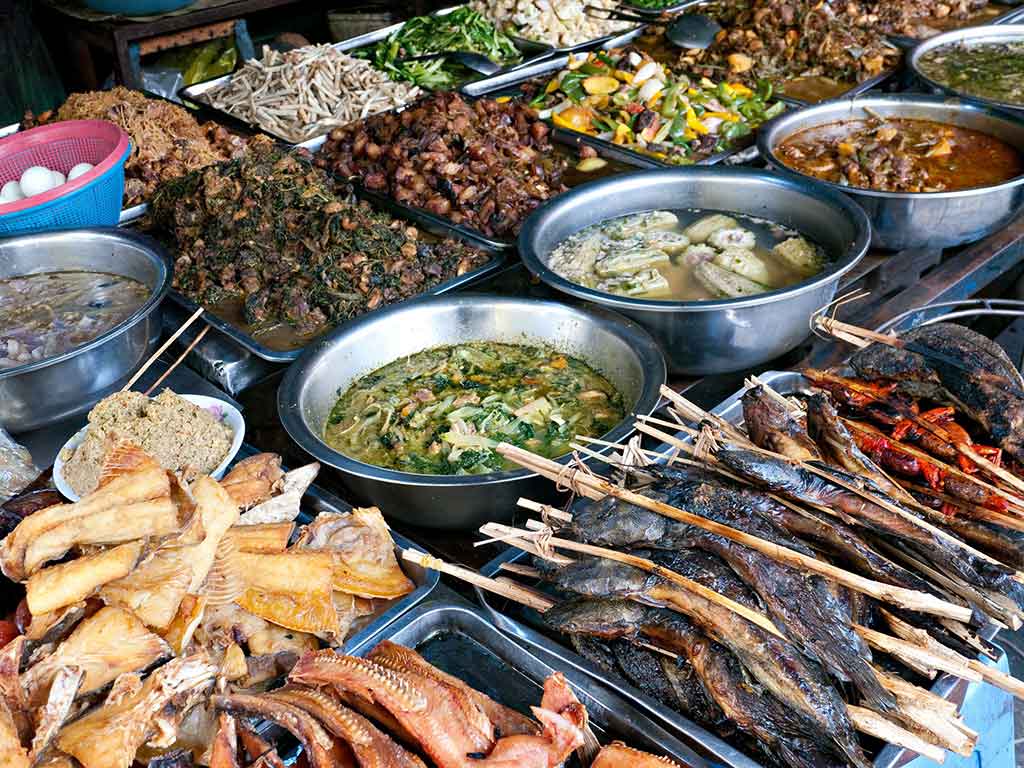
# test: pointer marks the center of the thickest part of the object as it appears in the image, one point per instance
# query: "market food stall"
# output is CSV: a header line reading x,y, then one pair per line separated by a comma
x,y
514,388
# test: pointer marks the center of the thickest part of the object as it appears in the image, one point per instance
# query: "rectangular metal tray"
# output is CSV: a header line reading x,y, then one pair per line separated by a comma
x,y
424,220
458,638
317,500
530,50
1008,16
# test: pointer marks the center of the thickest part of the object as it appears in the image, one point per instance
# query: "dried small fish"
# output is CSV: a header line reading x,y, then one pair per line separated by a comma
x,y
301,94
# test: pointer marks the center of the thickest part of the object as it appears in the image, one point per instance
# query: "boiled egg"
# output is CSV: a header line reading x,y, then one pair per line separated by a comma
x,y
36,180
78,170
58,178
10,192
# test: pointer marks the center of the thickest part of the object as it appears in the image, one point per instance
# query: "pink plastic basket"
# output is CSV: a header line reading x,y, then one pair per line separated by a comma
x,y
91,200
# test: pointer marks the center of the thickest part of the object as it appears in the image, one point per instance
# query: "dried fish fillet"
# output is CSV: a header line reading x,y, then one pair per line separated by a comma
x,y
254,480
104,646
54,626
217,512
285,506
148,483
155,589
362,553
109,736
68,583
55,711
311,612
11,692
12,754
261,538
182,628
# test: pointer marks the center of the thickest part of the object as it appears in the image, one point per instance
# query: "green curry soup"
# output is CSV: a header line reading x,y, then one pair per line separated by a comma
x,y
988,70
443,411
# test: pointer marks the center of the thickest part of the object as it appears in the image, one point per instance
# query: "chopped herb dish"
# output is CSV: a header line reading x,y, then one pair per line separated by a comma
x,y
626,97
443,411
461,30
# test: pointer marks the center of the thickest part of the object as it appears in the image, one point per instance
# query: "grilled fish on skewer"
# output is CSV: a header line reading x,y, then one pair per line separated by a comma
x,y
968,369
775,663
788,734
771,426
801,485
803,604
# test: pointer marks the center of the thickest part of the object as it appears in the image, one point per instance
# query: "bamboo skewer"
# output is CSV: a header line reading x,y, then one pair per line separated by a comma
x,y
598,488
163,348
176,363
903,649
762,621
873,724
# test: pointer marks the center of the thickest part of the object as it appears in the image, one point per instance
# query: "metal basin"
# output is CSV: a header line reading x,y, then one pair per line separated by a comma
x,y
993,33
38,394
902,220
720,335
612,345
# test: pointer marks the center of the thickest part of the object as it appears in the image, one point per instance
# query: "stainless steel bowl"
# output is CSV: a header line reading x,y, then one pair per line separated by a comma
x,y
722,335
902,220
612,345
992,33
39,394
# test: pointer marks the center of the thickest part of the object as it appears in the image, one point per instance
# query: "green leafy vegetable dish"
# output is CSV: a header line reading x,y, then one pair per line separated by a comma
x,y
461,30
443,411
988,70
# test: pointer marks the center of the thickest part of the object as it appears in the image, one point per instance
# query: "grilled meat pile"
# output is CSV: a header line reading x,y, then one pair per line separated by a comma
x,y
480,163
268,231
805,478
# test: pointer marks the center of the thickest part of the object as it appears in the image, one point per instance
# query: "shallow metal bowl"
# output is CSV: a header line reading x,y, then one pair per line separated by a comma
x,y
38,394
992,33
615,347
717,335
902,220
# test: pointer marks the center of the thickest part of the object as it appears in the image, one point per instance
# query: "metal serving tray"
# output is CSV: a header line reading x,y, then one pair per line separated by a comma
x,y
1012,13
458,638
197,92
317,500
424,220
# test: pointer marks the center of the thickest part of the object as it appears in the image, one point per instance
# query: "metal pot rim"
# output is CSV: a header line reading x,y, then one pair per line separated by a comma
x,y
766,141
837,269
987,32
652,362
147,245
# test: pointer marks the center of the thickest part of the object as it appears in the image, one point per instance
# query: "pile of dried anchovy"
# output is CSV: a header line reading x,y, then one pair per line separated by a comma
x,y
269,229
301,94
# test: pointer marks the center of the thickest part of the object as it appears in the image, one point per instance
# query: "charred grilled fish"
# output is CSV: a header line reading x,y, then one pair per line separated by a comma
x,y
795,739
770,425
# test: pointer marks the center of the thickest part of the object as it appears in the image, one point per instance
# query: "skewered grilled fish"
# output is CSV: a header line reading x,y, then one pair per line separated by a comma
x,y
771,426
790,736
967,368
618,755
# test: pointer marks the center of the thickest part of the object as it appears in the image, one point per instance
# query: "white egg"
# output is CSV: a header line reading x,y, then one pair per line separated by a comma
x,y
58,178
78,170
36,180
10,192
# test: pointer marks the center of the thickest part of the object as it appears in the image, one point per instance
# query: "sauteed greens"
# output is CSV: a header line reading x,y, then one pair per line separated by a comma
x,y
444,410
989,70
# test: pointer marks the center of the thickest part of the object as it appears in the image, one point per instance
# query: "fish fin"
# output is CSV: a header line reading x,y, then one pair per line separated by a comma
x,y
122,458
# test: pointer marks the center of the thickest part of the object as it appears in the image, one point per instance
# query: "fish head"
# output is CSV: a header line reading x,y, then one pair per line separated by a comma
x,y
613,523
608,618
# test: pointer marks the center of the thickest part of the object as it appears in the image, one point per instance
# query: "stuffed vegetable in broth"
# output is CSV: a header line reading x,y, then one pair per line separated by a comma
x,y
443,411
686,256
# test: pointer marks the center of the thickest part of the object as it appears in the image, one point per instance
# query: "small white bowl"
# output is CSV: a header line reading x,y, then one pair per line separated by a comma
x,y
229,415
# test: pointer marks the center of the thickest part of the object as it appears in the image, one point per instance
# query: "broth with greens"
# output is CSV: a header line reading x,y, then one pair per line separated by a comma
x,y
444,410
988,70
685,256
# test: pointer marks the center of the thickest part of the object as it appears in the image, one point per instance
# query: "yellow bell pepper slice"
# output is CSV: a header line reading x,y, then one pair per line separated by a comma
x,y
622,134
695,124
503,99
553,86
741,89
727,116
626,77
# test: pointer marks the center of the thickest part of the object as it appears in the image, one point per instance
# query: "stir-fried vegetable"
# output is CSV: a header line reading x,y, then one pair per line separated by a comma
x,y
654,5
626,97
461,30
444,411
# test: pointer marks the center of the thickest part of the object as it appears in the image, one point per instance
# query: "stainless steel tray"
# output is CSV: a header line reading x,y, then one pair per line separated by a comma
x,y
1012,13
318,500
197,92
459,639
424,220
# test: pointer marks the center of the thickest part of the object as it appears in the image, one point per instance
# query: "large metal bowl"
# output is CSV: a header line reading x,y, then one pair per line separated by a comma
x,y
992,33
902,220
612,345
38,394
721,335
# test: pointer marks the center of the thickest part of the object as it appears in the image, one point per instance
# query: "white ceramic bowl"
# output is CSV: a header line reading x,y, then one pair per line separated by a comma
x,y
229,415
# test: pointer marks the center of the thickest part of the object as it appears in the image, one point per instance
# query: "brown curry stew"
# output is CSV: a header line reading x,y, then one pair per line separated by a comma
x,y
901,155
